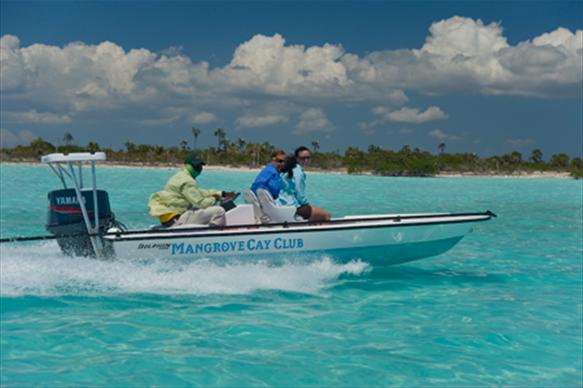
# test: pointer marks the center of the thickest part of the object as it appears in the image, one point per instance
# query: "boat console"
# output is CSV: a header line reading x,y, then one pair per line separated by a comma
x,y
240,215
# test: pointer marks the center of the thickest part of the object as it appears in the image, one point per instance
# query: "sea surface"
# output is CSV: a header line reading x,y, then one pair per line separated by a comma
x,y
504,307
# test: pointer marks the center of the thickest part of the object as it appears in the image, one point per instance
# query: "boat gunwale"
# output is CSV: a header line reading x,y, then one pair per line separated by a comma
x,y
301,227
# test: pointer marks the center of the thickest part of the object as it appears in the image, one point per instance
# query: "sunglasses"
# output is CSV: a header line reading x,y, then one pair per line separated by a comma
x,y
305,158
279,161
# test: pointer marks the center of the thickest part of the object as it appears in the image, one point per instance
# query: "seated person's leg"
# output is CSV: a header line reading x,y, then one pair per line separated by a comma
x,y
319,214
213,215
186,218
304,211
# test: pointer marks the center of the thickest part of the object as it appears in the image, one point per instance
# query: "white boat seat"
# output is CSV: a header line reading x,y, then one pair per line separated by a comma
x,y
275,213
251,198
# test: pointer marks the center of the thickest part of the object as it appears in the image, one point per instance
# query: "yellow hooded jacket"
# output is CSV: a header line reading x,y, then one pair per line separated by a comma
x,y
179,195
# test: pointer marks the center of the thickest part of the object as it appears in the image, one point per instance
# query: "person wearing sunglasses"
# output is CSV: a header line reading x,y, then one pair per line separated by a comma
x,y
293,187
182,202
269,179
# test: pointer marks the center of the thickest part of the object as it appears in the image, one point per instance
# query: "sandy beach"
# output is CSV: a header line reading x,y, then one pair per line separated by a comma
x,y
340,171
518,174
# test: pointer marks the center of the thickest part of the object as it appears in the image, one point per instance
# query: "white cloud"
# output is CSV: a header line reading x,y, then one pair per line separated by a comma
x,y
159,121
464,36
266,64
260,121
203,118
313,120
519,143
380,110
561,37
164,116
413,115
404,115
441,135
32,116
437,134
9,139
369,127
465,55
459,55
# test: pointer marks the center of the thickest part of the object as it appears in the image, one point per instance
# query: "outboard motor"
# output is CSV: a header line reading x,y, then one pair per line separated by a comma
x,y
65,220
79,216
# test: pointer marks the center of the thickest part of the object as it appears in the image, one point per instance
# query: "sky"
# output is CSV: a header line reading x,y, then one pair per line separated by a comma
x,y
483,77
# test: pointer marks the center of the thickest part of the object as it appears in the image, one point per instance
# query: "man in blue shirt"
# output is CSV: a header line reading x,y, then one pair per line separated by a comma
x,y
269,179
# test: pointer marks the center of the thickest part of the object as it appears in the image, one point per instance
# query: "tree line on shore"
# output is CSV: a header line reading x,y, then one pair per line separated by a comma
x,y
405,162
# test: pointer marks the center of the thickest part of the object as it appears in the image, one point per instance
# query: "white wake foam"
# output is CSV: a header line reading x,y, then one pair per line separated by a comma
x,y
42,270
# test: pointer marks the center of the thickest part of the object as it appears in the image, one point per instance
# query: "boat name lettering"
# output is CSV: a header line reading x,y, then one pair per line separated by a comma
x,y
154,246
250,245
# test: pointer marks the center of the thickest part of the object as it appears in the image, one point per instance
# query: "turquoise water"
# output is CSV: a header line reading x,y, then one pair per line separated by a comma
x,y
504,307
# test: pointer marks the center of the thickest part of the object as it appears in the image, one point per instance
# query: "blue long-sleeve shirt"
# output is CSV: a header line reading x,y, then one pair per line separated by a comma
x,y
268,179
293,190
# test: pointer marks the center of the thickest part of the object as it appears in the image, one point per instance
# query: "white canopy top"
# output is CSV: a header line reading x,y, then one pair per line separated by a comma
x,y
73,157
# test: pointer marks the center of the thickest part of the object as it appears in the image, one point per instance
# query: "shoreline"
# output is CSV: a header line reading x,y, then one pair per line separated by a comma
x,y
342,171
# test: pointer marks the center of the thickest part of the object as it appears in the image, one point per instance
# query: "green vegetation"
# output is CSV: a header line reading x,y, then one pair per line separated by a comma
x,y
374,160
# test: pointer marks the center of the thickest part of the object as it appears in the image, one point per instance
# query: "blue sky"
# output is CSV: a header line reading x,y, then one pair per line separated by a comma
x,y
485,77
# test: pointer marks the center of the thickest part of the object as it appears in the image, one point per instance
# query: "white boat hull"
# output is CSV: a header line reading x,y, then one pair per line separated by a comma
x,y
383,241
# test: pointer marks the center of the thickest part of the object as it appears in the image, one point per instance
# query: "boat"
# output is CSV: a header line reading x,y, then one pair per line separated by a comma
x,y
81,220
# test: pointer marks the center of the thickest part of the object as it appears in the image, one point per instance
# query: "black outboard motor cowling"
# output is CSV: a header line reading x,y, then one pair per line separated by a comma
x,y
65,220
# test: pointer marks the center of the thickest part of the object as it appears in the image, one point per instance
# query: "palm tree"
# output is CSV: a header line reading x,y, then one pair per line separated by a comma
x,y
220,134
559,160
536,156
441,147
183,144
130,147
316,145
577,163
251,151
256,151
93,147
158,150
67,138
515,157
267,148
373,148
41,147
494,161
225,144
195,133
241,143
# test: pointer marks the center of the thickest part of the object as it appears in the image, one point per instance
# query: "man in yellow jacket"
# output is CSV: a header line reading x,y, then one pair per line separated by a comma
x,y
182,202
